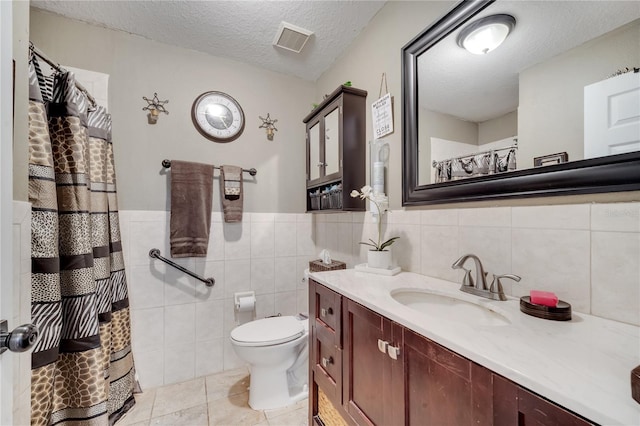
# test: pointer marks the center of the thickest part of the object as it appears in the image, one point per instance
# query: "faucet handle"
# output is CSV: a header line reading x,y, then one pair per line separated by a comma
x,y
496,284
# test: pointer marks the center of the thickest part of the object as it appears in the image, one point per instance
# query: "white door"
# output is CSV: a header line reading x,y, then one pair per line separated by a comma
x,y
7,359
612,116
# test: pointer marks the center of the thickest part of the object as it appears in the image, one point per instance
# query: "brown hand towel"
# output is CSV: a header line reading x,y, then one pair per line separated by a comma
x,y
231,193
191,199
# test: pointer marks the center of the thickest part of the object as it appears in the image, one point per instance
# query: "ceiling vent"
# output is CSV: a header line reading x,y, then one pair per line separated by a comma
x,y
291,37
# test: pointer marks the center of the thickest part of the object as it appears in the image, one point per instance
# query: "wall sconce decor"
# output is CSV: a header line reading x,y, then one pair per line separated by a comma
x,y
155,107
268,124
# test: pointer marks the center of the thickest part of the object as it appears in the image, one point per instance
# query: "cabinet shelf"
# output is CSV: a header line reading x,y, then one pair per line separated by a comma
x,y
336,149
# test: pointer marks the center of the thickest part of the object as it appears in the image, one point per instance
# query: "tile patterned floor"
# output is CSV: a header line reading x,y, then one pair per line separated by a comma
x,y
219,399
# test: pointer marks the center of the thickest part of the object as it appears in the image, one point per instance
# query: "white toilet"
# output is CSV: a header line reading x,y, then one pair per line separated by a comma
x,y
277,350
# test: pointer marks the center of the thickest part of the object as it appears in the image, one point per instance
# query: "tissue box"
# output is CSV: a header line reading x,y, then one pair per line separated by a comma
x,y
319,266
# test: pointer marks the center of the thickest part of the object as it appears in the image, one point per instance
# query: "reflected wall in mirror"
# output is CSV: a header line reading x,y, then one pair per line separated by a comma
x,y
486,118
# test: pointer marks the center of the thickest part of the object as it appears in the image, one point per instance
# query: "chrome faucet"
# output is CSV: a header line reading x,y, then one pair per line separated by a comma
x,y
467,281
495,291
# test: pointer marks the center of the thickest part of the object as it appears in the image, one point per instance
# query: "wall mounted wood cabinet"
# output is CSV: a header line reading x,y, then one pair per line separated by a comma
x,y
336,149
383,373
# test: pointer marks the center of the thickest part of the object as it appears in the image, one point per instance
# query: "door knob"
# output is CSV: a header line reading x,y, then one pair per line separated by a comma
x,y
22,338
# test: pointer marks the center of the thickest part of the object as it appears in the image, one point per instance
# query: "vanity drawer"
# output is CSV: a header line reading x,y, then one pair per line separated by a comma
x,y
327,363
328,308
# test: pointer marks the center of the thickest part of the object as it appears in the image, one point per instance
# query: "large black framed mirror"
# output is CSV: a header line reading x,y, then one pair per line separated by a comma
x,y
537,174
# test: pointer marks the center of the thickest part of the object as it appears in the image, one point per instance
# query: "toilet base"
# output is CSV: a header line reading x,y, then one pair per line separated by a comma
x,y
269,389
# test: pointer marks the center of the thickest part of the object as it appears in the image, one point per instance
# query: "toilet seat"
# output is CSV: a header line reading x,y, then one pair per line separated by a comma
x,y
268,331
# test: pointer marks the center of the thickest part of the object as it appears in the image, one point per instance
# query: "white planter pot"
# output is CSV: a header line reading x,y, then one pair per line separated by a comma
x,y
379,259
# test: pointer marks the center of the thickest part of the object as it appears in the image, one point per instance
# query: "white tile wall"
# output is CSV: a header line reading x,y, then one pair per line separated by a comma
x,y
181,327
588,254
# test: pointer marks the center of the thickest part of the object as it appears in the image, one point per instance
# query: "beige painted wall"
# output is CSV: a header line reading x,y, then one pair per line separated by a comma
x,y
139,67
445,126
21,100
552,93
498,128
442,126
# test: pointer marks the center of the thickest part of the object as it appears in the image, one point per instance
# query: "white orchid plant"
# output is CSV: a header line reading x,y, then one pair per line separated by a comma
x,y
366,193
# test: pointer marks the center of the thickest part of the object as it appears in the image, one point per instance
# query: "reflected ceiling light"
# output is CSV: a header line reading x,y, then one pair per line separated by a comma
x,y
484,35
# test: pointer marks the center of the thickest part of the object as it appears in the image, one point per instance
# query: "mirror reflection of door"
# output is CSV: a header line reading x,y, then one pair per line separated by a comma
x,y
612,116
531,87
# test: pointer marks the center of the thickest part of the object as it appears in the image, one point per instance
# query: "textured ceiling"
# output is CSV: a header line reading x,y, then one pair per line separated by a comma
x,y
489,83
240,30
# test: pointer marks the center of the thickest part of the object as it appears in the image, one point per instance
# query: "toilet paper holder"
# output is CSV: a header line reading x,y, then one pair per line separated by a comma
x,y
244,301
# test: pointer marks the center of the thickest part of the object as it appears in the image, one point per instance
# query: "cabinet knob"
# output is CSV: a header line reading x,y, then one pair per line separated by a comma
x,y
320,164
382,346
393,351
327,361
324,312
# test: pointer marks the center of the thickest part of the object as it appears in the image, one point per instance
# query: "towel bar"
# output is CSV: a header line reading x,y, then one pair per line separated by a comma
x,y
167,164
155,253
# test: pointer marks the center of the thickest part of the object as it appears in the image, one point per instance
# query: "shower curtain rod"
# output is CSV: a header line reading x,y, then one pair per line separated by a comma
x,y
58,68
435,163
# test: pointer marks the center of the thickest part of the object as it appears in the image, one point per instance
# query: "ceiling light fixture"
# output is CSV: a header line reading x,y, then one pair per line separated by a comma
x,y
484,35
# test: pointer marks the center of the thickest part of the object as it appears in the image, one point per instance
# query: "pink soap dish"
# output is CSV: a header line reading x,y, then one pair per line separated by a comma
x,y
562,312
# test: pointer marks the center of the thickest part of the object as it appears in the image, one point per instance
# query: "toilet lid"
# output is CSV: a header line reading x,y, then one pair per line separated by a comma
x,y
271,331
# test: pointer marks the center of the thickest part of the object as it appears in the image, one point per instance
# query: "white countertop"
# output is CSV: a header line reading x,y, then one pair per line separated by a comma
x,y
583,364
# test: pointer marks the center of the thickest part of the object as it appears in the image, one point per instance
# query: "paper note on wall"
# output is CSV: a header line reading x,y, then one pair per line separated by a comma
x,y
382,116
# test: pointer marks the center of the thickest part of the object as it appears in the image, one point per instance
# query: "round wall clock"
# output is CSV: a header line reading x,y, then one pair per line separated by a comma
x,y
218,116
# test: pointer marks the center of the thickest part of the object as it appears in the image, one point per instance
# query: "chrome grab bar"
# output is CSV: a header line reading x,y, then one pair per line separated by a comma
x,y
155,253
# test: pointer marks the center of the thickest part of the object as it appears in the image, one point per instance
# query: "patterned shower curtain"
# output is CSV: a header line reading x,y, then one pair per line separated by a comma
x,y
82,366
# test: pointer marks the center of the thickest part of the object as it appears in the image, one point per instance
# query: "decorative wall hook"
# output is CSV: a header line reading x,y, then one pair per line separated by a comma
x,y
268,124
155,107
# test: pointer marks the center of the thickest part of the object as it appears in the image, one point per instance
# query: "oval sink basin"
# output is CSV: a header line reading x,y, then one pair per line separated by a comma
x,y
449,308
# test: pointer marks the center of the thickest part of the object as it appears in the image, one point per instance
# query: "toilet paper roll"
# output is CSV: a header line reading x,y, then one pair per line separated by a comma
x,y
246,304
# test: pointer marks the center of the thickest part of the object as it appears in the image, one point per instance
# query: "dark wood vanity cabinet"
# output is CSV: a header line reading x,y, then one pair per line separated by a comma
x,y
336,149
443,388
370,393
515,405
391,375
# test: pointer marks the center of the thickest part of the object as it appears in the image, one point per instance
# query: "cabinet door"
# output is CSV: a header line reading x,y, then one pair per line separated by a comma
x,y
514,405
505,401
314,165
366,369
438,384
536,411
332,141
